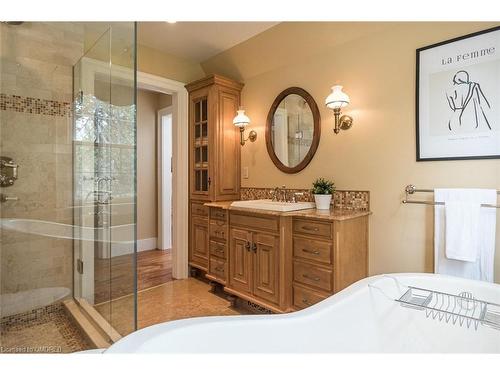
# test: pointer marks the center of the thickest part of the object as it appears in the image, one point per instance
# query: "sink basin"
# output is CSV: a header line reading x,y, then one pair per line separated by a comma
x,y
268,204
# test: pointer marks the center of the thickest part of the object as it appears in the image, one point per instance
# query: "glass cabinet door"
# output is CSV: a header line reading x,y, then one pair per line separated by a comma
x,y
200,138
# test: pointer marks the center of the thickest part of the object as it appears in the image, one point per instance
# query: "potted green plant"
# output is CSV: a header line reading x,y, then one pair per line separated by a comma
x,y
322,191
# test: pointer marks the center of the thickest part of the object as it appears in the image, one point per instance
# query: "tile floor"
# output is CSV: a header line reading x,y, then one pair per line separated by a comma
x,y
44,330
174,300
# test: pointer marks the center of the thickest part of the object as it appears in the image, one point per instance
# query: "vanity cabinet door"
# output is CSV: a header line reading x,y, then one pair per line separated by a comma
x,y
199,242
266,266
240,260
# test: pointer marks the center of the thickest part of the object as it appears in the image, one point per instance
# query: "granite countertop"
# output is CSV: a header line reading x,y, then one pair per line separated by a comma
x,y
311,213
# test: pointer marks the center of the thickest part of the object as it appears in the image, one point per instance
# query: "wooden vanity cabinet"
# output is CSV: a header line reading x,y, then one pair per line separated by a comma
x,y
214,158
198,238
218,234
256,260
286,263
328,256
266,269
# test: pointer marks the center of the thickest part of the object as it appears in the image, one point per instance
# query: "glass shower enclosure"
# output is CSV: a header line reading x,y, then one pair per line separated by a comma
x,y
68,182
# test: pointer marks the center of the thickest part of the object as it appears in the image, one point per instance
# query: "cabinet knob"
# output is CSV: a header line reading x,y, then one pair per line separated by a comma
x,y
254,248
247,245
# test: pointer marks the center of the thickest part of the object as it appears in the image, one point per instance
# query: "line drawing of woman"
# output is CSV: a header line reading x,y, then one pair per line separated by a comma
x,y
468,103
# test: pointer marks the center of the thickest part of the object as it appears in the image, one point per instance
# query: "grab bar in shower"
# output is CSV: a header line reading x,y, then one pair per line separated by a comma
x,y
411,189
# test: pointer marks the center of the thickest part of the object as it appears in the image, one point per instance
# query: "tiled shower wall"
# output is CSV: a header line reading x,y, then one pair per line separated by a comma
x,y
36,61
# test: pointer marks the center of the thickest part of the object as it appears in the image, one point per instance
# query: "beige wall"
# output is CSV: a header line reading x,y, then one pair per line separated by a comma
x,y
159,63
376,65
148,103
98,43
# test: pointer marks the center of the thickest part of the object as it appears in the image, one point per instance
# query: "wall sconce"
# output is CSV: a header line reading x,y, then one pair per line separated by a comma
x,y
241,121
336,101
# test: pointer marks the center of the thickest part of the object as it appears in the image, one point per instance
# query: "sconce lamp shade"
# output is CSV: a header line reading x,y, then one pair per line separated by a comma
x,y
337,99
241,120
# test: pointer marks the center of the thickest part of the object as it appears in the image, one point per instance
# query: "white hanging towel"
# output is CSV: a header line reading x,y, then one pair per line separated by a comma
x,y
464,233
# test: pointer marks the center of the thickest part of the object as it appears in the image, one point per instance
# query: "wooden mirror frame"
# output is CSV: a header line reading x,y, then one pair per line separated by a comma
x,y
316,134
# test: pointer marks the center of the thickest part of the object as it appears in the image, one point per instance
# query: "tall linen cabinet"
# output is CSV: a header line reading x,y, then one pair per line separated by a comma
x,y
214,157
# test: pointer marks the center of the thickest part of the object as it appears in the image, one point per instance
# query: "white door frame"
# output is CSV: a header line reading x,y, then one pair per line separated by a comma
x,y
164,206
180,151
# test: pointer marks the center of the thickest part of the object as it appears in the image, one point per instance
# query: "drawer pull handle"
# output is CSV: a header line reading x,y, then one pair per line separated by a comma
x,y
220,269
306,302
307,227
219,214
219,250
313,278
315,252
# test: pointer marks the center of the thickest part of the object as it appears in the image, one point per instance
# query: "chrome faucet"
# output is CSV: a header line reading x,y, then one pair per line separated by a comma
x,y
274,194
279,194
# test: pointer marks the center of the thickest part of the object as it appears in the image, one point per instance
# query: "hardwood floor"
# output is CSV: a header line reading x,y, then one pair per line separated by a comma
x,y
114,277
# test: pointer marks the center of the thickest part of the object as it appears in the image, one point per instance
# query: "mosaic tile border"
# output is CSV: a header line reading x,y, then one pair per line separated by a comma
x,y
37,106
348,200
55,313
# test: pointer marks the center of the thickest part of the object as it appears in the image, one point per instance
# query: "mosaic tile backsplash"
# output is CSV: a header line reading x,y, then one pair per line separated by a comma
x,y
34,106
342,199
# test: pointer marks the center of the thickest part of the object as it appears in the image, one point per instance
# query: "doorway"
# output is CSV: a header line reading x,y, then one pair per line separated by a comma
x,y
154,207
164,177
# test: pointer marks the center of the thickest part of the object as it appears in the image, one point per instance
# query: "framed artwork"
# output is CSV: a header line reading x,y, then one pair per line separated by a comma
x,y
458,98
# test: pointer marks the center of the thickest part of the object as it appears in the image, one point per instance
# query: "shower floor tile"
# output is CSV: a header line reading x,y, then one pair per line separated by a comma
x,y
44,330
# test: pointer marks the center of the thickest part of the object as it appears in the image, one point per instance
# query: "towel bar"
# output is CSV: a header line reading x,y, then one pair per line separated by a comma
x,y
411,189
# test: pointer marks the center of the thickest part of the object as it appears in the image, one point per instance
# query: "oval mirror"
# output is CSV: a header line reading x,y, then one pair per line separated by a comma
x,y
293,130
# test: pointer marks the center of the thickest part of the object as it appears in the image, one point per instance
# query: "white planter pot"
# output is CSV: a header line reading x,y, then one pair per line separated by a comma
x,y
322,201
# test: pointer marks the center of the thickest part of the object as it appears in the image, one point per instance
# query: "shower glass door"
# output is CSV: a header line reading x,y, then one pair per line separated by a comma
x,y
104,187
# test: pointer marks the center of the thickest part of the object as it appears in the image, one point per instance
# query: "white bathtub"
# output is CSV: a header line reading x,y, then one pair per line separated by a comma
x,y
117,234
358,319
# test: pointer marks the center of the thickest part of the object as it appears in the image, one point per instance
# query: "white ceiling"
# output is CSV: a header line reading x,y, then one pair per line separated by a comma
x,y
197,41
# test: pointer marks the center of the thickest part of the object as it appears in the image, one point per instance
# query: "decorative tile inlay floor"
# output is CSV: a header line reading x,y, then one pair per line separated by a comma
x,y
44,330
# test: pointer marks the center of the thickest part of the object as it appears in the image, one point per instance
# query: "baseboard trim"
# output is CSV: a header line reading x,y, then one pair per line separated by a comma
x,y
147,244
127,248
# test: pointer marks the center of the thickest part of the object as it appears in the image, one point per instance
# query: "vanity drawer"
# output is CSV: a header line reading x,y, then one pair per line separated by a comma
x,y
313,276
217,229
218,214
270,223
303,297
217,268
316,228
218,249
319,251
198,209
